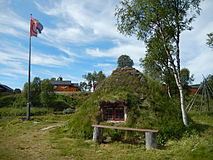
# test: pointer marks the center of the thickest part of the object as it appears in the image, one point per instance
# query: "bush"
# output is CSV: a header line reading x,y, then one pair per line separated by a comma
x,y
20,101
59,105
7,101
69,111
74,99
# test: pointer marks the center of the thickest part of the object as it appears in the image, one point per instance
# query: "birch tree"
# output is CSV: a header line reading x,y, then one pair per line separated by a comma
x,y
94,78
164,19
156,65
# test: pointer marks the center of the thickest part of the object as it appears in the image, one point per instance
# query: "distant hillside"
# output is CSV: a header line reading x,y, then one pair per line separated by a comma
x,y
148,105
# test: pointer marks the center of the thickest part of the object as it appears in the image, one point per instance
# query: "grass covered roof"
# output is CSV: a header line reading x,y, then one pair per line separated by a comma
x,y
148,105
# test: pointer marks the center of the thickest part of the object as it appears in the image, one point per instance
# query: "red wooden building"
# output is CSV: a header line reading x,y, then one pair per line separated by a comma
x,y
61,86
193,88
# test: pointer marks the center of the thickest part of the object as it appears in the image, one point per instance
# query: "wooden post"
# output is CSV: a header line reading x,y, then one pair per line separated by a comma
x,y
97,134
151,140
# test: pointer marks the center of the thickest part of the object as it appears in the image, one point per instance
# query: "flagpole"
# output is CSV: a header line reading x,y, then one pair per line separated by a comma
x,y
29,69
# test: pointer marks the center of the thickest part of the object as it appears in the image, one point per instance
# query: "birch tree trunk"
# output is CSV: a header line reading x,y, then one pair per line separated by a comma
x,y
176,72
183,107
180,88
169,91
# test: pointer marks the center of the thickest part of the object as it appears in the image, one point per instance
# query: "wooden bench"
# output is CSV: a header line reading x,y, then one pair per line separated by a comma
x,y
150,135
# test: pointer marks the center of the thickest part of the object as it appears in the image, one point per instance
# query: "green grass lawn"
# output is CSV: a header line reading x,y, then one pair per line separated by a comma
x,y
11,111
25,140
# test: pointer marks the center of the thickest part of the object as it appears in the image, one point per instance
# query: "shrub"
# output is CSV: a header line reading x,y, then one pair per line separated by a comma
x,y
59,105
69,111
20,101
7,101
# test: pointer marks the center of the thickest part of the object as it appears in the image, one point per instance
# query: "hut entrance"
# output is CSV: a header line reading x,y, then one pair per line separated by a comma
x,y
113,110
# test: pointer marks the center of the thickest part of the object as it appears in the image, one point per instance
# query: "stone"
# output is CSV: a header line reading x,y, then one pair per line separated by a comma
x,y
151,140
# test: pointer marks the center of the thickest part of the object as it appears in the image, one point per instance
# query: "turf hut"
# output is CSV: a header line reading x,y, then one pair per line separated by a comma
x,y
130,99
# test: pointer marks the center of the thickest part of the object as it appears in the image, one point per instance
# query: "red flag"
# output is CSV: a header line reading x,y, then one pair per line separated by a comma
x,y
33,27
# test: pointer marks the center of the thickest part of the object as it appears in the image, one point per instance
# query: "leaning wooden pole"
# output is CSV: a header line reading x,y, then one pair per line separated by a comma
x,y
29,73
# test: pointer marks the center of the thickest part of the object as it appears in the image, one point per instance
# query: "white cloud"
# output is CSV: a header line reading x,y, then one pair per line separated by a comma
x,y
65,35
134,50
47,73
51,74
50,60
103,65
80,21
11,23
14,57
67,51
13,67
201,65
6,73
86,22
196,55
74,79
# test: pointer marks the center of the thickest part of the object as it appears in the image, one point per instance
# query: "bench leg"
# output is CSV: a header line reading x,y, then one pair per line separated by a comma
x,y
151,140
97,134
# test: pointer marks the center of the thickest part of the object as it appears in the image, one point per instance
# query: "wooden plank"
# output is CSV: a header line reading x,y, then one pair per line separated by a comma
x,y
128,129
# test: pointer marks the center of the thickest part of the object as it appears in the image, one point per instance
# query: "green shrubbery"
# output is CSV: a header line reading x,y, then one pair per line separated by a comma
x,y
43,100
41,96
69,111
7,100
15,104
59,105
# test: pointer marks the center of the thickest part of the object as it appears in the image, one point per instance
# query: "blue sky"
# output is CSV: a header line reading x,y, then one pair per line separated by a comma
x,y
80,37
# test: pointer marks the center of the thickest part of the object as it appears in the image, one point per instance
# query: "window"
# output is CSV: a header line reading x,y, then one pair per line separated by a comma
x,y
64,87
113,114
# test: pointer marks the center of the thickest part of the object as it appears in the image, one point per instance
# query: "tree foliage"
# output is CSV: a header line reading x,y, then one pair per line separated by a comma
x,y
186,78
83,86
155,62
17,91
156,65
165,20
35,91
210,40
41,93
210,81
100,77
92,80
125,61
47,95
144,18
